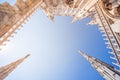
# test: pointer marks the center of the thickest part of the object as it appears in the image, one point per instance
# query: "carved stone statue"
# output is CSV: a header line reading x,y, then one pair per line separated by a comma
x,y
6,14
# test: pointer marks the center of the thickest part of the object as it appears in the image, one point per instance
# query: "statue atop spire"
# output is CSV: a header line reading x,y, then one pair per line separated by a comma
x,y
6,70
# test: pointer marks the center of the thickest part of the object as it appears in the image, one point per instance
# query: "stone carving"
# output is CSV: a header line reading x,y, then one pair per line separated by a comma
x,y
6,14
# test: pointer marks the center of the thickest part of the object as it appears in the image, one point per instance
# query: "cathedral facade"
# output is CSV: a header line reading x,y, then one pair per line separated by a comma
x,y
104,13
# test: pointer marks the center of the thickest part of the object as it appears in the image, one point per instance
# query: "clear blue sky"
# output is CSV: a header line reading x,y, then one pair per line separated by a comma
x,y
54,49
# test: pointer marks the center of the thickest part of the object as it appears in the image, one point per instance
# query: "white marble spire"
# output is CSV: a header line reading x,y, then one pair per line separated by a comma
x,y
6,70
106,70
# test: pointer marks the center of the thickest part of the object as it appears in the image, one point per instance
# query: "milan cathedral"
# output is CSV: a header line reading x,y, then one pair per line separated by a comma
x,y
104,13
6,70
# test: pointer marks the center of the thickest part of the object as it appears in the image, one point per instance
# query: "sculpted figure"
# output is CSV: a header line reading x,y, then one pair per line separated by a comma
x,y
6,14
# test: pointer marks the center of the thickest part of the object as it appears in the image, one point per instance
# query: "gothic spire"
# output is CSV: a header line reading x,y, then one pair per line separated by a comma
x,y
6,70
106,70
